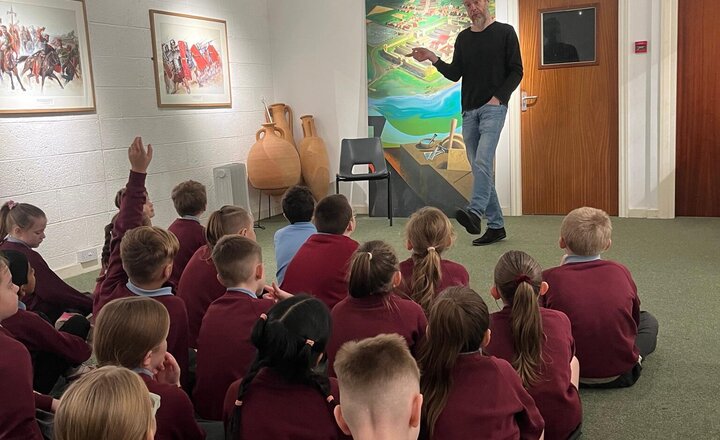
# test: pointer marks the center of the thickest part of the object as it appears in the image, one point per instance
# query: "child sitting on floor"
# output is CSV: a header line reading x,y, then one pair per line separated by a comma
x,y
297,205
190,200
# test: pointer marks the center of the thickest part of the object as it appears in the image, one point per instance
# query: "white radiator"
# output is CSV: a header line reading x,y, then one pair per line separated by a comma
x,y
231,185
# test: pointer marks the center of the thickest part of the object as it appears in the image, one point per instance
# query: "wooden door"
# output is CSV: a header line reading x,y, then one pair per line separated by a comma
x,y
697,184
570,132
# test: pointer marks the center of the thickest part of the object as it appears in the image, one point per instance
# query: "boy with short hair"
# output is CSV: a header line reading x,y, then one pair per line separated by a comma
x,y
224,348
379,389
298,205
141,258
612,336
190,200
320,266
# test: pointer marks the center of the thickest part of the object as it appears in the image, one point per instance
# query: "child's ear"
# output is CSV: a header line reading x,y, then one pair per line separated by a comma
x,y
220,279
243,232
494,292
408,245
351,226
147,360
167,271
416,413
544,288
341,421
562,243
259,271
486,338
609,243
397,279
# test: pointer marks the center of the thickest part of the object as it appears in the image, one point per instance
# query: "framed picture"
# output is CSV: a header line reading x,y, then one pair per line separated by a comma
x,y
190,56
569,37
44,57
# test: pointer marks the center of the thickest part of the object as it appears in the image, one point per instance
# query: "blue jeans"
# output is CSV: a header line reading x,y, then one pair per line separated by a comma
x,y
481,129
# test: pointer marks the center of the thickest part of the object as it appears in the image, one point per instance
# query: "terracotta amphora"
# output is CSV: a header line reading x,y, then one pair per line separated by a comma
x,y
273,164
314,159
282,116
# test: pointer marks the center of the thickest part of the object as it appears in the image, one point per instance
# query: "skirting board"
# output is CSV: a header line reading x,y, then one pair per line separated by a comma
x,y
643,213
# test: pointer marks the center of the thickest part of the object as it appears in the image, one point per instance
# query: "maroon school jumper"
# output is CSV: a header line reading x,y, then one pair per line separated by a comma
x,y
274,408
451,274
36,334
224,348
554,395
115,283
52,295
175,418
17,412
320,268
600,298
199,287
360,318
191,235
487,401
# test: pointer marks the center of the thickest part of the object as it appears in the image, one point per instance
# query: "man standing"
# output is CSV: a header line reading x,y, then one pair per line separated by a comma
x,y
487,58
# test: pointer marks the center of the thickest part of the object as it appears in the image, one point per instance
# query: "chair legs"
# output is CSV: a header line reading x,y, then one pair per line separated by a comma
x,y
337,187
389,197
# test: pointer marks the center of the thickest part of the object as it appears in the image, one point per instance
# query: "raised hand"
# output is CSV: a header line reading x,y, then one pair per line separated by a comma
x,y
139,157
276,294
422,54
169,371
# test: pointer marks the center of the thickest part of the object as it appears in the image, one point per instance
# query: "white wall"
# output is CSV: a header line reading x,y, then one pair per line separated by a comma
x,y
71,166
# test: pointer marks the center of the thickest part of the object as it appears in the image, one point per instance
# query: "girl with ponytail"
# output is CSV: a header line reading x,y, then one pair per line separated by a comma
x,y
283,395
537,342
371,307
464,391
198,285
429,233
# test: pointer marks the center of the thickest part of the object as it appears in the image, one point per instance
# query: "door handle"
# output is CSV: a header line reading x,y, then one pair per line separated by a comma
x,y
524,98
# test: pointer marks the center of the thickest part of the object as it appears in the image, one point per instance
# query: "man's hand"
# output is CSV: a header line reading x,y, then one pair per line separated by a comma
x,y
494,101
139,158
422,54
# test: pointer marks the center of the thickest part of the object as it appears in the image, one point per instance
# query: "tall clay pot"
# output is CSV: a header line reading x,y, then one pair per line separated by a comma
x,y
282,116
273,163
314,159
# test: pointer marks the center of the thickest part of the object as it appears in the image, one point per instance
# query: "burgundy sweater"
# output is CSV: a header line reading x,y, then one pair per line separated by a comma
x,y
17,412
175,418
451,274
191,236
305,414
556,398
38,335
600,298
199,287
488,400
52,295
360,318
320,268
115,283
224,349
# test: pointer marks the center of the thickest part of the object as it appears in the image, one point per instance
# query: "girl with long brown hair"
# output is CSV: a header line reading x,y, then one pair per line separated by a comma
x,y
466,393
429,233
538,342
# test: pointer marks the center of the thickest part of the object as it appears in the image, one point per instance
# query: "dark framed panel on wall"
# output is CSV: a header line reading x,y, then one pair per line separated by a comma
x,y
45,57
190,58
569,37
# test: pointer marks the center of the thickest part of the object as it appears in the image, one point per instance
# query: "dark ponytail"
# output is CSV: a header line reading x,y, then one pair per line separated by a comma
x,y
22,215
290,340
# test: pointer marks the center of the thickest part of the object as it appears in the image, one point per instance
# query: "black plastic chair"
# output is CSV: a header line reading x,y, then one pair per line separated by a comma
x,y
364,151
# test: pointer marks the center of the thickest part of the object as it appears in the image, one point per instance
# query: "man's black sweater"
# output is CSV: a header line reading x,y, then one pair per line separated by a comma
x,y
489,63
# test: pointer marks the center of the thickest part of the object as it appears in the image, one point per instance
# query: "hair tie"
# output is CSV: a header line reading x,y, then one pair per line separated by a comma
x,y
238,403
309,342
431,248
10,204
523,279
330,399
263,317
370,255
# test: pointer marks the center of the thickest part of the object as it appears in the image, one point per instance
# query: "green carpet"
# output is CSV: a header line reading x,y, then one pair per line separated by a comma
x,y
675,266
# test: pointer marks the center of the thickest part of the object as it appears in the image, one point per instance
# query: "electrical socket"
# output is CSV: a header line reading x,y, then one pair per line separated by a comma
x,y
87,255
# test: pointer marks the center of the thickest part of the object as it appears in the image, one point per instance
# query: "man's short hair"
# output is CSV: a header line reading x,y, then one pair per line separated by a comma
x,y
189,198
145,250
586,231
333,214
235,258
298,204
375,366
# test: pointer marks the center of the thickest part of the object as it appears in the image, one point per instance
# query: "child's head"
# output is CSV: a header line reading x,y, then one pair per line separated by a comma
x,y
110,403
298,204
290,339
374,270
429,233
105,252
23,221
148,207
189,198
238,261
334,215
458,323
229,220
518,281
8,291
23,275
380,386
586,231
131,332
147,254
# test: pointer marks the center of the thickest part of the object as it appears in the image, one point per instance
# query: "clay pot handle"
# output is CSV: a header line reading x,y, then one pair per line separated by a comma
x,y
264,129
281,131
288,111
